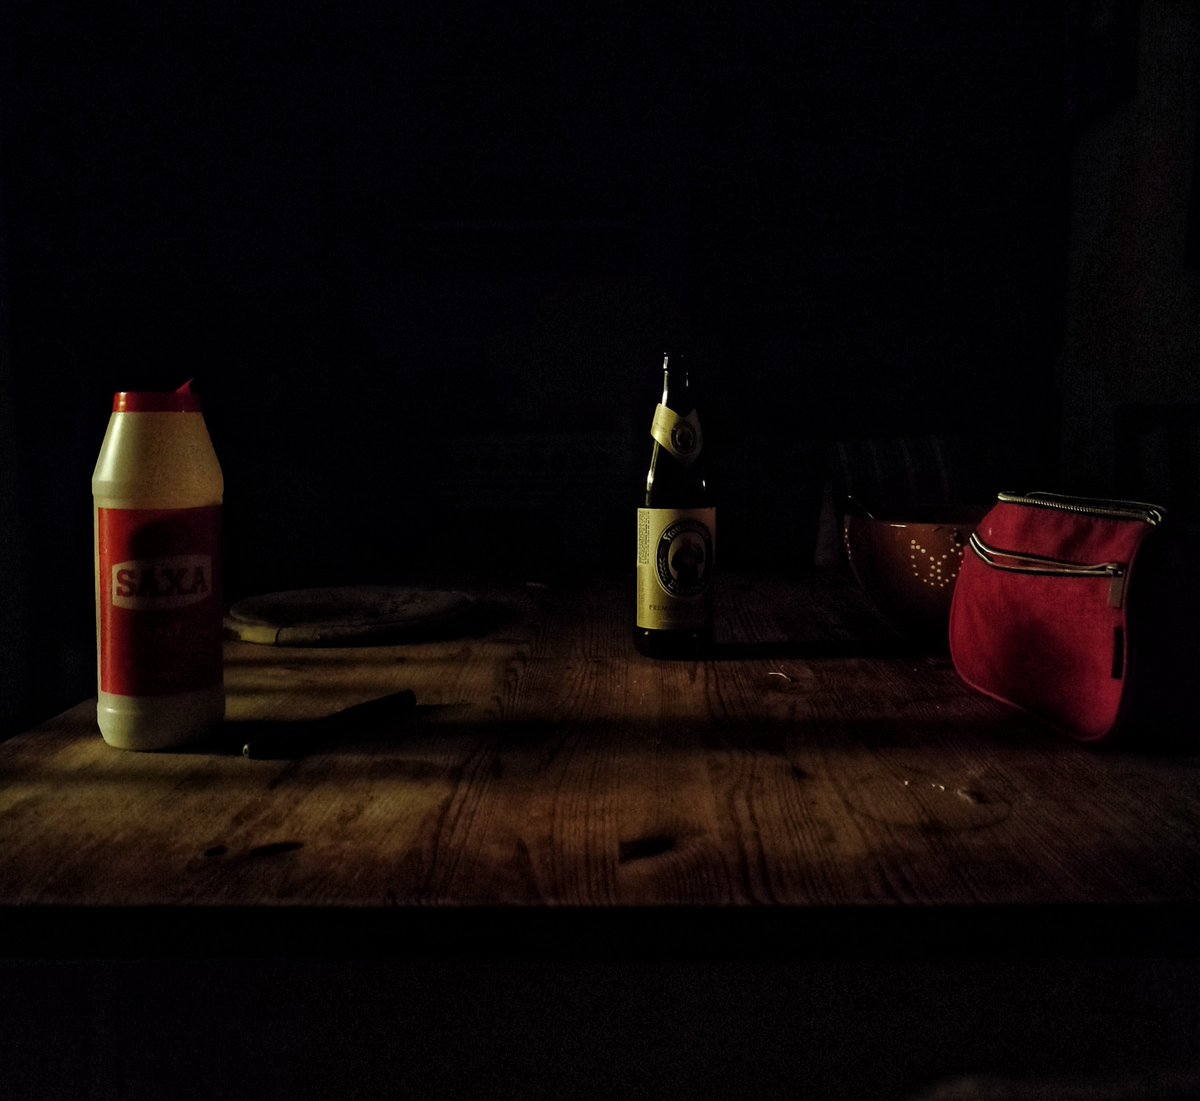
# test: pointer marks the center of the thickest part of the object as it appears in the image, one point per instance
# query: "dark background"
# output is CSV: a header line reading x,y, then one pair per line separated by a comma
x,y
423,261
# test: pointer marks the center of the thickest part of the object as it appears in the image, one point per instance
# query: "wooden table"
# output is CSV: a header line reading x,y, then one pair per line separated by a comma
x,y
816,792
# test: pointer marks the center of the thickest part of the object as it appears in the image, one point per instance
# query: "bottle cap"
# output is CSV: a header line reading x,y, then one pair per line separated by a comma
x,y
183,400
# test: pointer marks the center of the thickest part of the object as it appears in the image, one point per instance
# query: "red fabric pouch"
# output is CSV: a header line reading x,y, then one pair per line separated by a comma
x,y
1060,609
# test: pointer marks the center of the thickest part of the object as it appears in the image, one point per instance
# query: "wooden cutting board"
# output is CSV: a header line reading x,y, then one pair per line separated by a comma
x,y
347,615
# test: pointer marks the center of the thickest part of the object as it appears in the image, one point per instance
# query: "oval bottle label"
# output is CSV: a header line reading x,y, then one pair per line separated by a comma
x,y
676,553
681,436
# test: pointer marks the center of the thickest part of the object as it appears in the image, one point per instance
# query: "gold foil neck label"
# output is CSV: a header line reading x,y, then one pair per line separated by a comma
x,y
681,436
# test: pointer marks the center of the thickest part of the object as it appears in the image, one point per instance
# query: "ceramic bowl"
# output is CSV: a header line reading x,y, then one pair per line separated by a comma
x,y
908,563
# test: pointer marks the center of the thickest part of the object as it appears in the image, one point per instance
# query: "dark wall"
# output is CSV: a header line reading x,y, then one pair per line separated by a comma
x,y
416,255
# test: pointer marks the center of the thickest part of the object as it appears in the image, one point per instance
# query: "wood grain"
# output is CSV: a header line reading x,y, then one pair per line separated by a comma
x,y
813,762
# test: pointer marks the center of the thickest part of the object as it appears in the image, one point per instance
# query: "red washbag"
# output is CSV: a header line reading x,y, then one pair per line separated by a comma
x,y
1073,610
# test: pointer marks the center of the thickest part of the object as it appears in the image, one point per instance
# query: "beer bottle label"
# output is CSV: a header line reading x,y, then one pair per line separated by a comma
x,y
674,567
681,436
160,613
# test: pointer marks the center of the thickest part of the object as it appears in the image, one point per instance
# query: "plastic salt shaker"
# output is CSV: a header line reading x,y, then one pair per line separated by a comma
x,y
157,489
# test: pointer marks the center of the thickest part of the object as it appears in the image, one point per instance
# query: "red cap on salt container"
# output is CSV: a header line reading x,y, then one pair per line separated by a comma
x,y
183,400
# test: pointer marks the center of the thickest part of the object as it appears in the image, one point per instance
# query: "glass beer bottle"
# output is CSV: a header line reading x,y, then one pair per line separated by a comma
x,y
677,529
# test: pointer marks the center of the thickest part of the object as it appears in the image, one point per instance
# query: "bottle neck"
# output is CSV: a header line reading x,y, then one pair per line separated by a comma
x,y
677,387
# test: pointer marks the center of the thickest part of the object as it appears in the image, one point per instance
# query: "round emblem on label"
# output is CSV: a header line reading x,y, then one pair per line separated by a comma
x,y
684,557
683,437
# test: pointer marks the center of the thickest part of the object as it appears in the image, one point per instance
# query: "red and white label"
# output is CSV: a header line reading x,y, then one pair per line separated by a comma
x,y
160,606
159,583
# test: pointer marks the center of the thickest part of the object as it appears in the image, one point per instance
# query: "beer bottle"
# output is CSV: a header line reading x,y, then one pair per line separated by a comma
x,y
676,530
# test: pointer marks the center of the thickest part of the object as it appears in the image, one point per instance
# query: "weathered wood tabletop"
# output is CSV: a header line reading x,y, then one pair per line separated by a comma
x,y
813,763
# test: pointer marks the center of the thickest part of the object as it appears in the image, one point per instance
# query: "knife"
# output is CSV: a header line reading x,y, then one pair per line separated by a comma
x,y
347,725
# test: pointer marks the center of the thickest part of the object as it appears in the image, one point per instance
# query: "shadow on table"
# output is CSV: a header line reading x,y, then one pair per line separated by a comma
x,y
268,739
815,649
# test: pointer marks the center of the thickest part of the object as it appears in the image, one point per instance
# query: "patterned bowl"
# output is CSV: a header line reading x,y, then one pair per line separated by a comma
x,y
908,565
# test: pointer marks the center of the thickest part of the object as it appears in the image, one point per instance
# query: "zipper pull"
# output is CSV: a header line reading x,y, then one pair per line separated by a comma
x,y
1116,588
